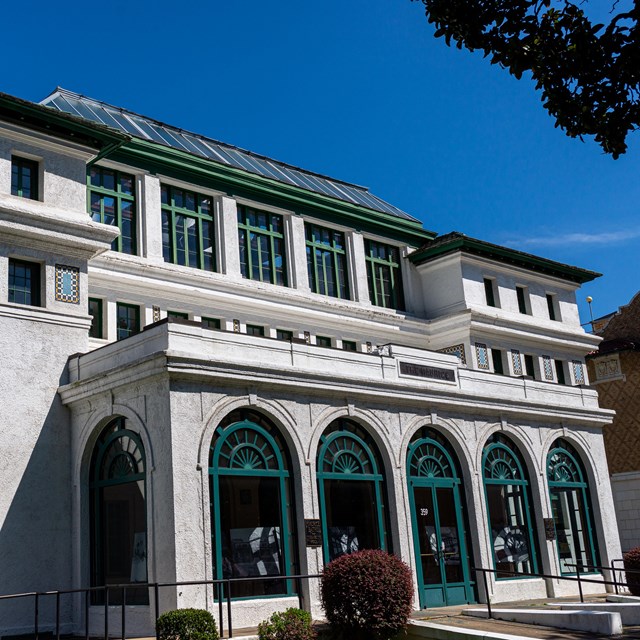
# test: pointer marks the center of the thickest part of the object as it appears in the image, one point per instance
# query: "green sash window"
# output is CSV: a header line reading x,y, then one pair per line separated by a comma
x,y
569,495
511,524
251,506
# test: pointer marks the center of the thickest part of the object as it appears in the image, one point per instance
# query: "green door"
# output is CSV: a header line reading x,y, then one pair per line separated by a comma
x,y
442,561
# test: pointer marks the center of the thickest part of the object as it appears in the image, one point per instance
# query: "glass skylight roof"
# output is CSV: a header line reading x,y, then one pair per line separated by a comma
x,y
154,131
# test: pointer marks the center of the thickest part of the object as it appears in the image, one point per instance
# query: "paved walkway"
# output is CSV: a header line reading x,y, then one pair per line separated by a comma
x,y
453,617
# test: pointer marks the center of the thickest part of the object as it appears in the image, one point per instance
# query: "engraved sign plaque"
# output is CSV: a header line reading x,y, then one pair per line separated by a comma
x,y
313,533
549,528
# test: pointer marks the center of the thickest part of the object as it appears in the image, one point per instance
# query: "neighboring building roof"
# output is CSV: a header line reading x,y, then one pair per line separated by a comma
x,y
621,332
151,130
456,241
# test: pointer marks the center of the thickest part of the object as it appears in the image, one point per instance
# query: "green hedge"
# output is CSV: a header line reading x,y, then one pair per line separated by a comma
x,y
292,624
187,624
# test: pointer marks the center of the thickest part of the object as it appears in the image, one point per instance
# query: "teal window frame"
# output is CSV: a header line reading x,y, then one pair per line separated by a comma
x,y
324,341
262,246
565,472
123,450
432,463
284,334
560,372
25,178
327,261
24,282
502,466
180,315
347,453
95,331
384,275
182,210
97,197
124,332
247,444
350,345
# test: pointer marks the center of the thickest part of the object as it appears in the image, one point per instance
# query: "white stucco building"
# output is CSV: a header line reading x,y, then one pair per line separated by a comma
x,y
217,365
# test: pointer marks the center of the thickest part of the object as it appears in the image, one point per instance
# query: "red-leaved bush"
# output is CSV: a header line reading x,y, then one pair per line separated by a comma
x,y
367,595
632,563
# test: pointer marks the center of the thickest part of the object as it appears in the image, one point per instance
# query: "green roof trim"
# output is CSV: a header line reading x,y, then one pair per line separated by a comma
x,y
458,242
182,165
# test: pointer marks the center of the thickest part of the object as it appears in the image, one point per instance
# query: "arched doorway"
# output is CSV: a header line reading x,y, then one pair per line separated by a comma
x,y
251,505
437,517
570,507
511,524
351,491
118,513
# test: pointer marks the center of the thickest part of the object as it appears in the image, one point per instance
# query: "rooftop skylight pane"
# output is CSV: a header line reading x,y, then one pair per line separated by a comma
x,y
190,146
148,130
266,169
196,143
125,124
278,171
67,106
215,152
240,161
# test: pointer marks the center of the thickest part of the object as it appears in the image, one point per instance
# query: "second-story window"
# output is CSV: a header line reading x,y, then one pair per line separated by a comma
x,y
24,178
327,261
383,275
112,201
261,240
187,228
522,295
490,292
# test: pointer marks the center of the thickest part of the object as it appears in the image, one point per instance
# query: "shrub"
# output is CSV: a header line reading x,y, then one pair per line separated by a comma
x,y
632,563
186,624
292,624
367,594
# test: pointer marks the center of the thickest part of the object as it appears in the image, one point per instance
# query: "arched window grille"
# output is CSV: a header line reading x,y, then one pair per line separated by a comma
x,y
251,505
119,516
511,526
569,493
351,490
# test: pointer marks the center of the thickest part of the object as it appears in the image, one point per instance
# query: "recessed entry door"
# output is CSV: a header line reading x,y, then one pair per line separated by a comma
x,y
440,547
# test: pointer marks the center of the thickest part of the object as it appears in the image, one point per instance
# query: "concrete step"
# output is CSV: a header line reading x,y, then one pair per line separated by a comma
x,y
629,611
603,623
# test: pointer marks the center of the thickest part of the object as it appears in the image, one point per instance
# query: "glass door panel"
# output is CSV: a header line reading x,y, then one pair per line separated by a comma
x,y
449,540
428,539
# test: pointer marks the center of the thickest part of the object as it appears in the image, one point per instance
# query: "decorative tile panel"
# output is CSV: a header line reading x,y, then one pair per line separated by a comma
x,y
307,337
156,313
456,350
548,368
67,284
482,356
608,367
578,371
516,362
236,326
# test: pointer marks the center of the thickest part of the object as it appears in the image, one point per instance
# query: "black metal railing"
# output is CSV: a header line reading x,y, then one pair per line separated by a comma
x,y
578,577
221,592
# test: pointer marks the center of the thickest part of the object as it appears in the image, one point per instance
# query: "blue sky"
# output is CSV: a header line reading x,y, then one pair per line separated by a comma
x,y
358,90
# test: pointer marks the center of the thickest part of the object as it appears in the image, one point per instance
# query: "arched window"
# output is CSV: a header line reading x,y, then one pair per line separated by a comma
x,y
351,489
511,526
251,505
118,510
569,494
